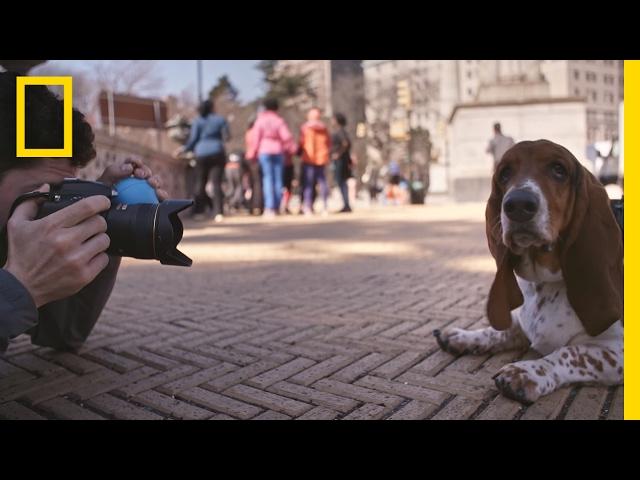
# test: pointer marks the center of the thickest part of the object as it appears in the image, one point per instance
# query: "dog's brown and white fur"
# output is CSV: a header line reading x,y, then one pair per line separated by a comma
x,y
566,298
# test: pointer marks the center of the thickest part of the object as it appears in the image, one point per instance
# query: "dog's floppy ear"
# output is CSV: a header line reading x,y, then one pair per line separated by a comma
x,y
592,256
505,295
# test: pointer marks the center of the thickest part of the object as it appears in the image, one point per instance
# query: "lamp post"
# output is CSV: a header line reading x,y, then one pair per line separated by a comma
x,y
199,62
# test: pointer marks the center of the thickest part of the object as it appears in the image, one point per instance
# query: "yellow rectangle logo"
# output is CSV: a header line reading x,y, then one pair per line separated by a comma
x,y
67,105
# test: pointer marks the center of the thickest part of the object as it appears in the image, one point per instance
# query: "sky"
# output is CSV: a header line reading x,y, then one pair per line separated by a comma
x,y
182,74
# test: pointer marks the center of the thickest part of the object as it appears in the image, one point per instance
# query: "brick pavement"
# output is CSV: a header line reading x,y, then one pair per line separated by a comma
x,y
326,318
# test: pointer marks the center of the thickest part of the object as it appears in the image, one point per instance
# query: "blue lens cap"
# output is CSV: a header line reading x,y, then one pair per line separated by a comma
x,y
133,191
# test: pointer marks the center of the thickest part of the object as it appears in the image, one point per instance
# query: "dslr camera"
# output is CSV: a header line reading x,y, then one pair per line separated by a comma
x,y
141,230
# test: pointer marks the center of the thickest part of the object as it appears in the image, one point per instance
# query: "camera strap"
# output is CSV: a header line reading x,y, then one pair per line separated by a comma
x,y
25,197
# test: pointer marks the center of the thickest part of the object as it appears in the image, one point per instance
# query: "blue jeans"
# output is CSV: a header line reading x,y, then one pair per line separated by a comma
x,y
313,174
271,179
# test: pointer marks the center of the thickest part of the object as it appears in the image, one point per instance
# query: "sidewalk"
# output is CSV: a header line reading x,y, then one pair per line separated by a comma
x,y
321,318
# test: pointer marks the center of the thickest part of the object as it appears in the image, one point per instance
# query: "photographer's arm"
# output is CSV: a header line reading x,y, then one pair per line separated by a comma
x,y
66,324
48,259
17,310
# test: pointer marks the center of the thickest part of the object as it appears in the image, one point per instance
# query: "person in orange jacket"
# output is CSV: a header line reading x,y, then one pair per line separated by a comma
x,y
315,146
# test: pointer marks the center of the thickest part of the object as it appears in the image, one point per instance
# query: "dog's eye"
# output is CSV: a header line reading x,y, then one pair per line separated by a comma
x,y
558,171
504,175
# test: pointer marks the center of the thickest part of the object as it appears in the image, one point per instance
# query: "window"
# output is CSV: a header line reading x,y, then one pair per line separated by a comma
x,y
590,76
576,74
594,95
469,91
577,92
468,73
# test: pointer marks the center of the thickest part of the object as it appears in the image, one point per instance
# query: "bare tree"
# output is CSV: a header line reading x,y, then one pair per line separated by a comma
x,y
132,77
84,91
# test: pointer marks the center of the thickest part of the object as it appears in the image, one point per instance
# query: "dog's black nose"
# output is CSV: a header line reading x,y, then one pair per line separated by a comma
x,y
521,205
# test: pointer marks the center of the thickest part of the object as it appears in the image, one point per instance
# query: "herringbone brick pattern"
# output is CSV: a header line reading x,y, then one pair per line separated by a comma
x,y
329,318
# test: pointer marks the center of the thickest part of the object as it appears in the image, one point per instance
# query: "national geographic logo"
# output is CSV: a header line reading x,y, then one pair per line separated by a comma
x,y
21,149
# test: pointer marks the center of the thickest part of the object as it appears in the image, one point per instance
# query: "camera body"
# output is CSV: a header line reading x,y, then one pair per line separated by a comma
x,y
145,230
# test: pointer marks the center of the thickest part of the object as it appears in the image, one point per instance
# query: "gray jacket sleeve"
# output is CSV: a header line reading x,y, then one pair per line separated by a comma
x,y
18,312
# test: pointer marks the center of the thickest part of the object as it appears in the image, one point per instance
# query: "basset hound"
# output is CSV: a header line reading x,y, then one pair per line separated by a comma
x,y
559,283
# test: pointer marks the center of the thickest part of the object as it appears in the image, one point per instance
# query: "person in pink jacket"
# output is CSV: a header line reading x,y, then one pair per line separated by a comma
x,y
272,139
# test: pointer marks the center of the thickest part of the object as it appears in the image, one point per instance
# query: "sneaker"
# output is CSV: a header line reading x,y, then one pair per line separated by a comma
x,y
218,218
268,213
345,210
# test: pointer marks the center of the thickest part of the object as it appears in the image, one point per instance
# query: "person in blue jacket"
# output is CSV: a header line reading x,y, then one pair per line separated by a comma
x,y
209,132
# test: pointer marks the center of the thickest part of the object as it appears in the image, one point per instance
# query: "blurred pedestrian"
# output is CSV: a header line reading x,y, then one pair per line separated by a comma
x,y
499,144
209,133
287,182
233,172
271,140
315,145
394,192
257,200
341,157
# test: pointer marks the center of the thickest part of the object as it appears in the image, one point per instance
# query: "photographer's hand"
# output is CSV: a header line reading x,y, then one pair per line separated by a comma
x,y
114,173
56,256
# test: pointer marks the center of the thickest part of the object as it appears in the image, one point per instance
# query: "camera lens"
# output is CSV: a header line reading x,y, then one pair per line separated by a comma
x,y
169,232
142,230
148,231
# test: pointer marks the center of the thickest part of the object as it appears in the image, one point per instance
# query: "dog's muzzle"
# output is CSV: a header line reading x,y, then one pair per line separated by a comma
x,y
521,205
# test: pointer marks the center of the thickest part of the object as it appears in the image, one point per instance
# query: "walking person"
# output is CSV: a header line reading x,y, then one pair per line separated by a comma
x,y
271,140
209,133
315,145
233,172
341,157
257,200
499,144
287,182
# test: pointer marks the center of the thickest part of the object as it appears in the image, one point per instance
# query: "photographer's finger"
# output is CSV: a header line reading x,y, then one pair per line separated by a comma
x,y
134,162
88,228
121,172
162,195
79,211
142,172
96,265
94,246
28,209
155,181
139,168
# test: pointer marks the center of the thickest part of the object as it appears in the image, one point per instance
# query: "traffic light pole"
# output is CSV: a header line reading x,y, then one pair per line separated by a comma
x,y
409,138
199,81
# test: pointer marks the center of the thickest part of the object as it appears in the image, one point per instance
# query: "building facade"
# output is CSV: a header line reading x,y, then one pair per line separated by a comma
x,y
599,82
438,87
